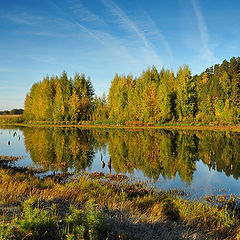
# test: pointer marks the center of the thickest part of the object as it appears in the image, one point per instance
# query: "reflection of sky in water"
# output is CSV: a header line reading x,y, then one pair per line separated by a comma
x,y
204,182
16,147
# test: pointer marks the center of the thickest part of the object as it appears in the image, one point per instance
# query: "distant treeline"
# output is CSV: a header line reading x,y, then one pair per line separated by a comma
x,y
12,112
154,97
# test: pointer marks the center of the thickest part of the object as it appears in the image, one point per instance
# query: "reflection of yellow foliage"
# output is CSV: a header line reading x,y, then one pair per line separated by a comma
x,y
74,147
57,149
153,152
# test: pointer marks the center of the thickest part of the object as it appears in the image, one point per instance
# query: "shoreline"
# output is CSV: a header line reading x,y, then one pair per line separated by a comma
x,y
232,128
12,120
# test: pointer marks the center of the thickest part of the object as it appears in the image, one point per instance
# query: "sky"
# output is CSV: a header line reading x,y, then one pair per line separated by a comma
x,y
103,37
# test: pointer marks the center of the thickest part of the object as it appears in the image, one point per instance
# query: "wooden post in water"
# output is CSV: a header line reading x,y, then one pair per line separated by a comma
x,y
103,164
110,165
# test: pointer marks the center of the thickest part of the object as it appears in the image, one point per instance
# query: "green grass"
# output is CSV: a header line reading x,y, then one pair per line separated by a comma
x,y
82,223
43,223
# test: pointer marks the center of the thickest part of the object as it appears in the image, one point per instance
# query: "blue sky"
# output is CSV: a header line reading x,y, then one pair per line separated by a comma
x,y
105,37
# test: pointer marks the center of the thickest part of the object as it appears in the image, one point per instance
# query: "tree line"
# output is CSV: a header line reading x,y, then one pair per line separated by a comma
x,y
12,112
60,98
154,97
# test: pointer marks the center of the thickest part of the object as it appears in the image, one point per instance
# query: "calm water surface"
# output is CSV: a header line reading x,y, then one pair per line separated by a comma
x,y
202,162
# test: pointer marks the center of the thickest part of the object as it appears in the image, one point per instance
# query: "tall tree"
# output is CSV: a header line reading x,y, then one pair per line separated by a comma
x,y
186,94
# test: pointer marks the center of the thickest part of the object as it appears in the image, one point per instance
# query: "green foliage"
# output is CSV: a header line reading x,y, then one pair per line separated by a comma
x,y
159,97
60,99
36,223
83,224
153,98
100,112
216,218
5,230
12,112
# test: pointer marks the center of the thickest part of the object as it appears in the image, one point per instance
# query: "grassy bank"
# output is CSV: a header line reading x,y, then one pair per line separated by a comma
x,y
171,126
11,119
18,120
98,206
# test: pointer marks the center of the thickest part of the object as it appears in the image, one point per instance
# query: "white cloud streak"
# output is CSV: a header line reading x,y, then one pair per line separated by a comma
x,y
125,21
133,48
152,29
84,13
131,26
205,51
51,61
108,40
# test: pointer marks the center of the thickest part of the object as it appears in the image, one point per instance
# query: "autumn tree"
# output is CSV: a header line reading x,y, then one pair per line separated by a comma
x,y
186,94
60,99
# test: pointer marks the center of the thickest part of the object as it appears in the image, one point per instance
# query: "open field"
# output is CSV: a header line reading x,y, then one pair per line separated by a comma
x,y
10,119
9,116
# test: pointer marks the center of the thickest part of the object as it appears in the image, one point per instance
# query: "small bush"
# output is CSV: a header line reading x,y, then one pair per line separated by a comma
x,y
82,224
4,231
36,223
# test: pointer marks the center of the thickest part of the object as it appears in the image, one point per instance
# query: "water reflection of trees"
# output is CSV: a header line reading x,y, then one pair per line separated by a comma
x,y
168,153
60,149
154,152
220,151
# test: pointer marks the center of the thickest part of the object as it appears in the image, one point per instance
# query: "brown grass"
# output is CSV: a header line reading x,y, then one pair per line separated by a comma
x,y
9,116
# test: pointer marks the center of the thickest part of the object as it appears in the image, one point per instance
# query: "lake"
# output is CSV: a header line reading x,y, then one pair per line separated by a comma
x,y
201,162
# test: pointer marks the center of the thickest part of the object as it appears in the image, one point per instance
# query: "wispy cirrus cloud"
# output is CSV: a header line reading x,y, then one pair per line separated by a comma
x,y
51,60
75,19
104,38
149,26
76,22
21,17
83,13
125,21
205,50
144,31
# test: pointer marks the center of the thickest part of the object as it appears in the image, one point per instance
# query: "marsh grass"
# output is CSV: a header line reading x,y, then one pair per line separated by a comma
x,y
11,119
113,196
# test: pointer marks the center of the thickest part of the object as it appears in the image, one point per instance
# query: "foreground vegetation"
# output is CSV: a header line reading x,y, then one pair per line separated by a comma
x,y
98,206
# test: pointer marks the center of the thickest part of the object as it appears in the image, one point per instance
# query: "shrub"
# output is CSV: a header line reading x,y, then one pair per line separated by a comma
x,y
4,231
36,223
83,224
